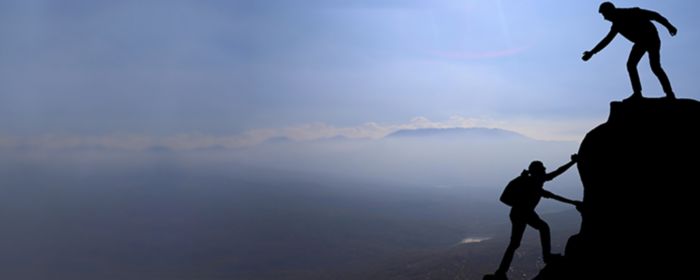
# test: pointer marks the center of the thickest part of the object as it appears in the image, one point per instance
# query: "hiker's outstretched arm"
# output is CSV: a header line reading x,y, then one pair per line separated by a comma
x,y
562,169
547,194
604,43
600,46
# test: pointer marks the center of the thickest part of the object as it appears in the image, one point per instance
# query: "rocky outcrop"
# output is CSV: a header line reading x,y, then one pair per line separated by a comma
x,y
641,174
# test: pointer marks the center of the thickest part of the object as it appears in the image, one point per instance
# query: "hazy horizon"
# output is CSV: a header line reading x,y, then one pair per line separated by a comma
x,y
291,210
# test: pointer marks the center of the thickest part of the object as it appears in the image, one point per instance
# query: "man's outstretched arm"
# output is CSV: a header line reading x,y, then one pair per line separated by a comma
x,y
600,46
578,204
663,21
548,194
562,169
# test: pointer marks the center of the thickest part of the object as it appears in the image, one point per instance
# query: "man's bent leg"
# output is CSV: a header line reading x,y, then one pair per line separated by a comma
x,y
635,55
655,63
545,237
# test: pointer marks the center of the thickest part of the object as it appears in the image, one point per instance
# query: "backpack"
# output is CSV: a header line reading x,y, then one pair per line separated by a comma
x,y
514,192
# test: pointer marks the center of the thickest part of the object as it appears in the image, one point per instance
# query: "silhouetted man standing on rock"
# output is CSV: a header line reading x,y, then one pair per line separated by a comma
x,y
530,185
635,25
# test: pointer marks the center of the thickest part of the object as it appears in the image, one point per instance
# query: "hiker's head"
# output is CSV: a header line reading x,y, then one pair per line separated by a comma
x,y
536,168
606,9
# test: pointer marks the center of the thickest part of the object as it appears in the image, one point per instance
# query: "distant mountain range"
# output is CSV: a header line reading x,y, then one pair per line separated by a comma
x,y
472,132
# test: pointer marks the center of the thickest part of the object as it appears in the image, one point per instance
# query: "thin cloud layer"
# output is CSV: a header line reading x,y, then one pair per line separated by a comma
x,y
544,130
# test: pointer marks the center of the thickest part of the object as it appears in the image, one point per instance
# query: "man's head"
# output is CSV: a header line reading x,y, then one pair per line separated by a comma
x,y
536,168
606,9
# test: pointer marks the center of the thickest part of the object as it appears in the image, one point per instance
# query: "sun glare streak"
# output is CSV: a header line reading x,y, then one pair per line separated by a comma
x,y
494,23
504,23
480,55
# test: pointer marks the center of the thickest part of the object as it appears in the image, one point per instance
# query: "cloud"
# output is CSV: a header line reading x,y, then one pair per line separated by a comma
x,y
369,130
539,129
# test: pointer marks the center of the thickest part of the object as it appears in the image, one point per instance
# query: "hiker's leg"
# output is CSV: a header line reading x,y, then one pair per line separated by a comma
x,y
635,55
516,235
537,223
655,63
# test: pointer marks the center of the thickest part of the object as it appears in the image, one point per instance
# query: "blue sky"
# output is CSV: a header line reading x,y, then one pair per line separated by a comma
x,y
241,70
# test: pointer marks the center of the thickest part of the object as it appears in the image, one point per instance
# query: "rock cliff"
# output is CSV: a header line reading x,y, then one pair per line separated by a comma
x,y
641,174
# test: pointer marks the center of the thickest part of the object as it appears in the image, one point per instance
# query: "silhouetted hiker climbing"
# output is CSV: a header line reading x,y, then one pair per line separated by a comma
x,y
635,25
529,189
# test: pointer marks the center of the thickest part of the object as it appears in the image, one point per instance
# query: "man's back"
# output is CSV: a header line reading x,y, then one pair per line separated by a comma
x,y
635,25
531,194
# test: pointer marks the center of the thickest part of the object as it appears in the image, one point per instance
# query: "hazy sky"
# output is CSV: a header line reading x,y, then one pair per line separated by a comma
x,y
242,70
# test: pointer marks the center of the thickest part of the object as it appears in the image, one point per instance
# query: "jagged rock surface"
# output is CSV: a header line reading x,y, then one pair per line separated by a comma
x,y
641,173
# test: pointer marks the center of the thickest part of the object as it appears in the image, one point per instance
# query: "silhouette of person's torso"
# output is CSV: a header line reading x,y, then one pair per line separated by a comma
x,y
531,194
635,25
